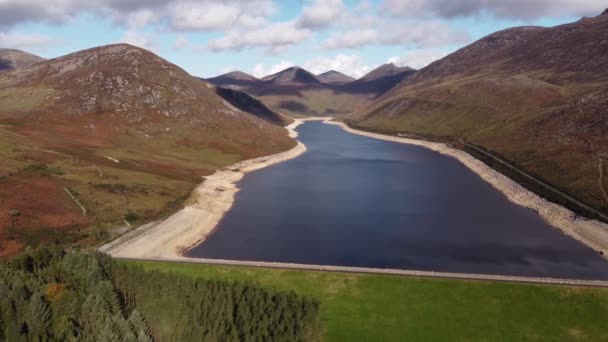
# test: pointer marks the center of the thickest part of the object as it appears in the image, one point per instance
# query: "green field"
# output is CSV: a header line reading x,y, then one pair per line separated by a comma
x,y
393,308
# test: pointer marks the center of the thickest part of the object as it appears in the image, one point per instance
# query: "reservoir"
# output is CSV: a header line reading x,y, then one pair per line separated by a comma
x,y
351,200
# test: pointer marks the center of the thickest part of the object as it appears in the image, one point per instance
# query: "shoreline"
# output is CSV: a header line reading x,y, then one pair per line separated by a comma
x,y
172,237
592,233
190,226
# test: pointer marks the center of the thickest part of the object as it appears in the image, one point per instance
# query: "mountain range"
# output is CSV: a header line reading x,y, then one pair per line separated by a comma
x,y
536,96
297,92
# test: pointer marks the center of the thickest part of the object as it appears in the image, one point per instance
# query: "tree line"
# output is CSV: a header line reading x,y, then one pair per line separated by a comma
x,y
48,294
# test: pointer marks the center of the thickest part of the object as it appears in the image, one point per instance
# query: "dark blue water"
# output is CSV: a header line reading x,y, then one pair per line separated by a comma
x,y
356,201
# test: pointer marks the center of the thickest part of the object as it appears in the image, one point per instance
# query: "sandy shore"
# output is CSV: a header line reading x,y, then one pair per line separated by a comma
x,y
590,232
191,225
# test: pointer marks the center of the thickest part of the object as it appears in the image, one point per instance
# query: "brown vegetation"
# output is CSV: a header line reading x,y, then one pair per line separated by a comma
x,y
537,96
120,116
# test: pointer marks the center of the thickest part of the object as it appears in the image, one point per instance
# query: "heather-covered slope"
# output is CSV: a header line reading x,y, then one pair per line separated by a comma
x,y
126,132
537,96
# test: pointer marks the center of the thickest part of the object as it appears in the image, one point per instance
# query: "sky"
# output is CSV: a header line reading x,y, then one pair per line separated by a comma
x,y
261,37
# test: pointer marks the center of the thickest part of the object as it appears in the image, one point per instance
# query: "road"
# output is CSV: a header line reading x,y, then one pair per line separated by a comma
x,y
395,272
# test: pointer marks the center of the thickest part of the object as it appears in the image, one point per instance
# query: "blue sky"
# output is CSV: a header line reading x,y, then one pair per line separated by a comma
x,y
209,37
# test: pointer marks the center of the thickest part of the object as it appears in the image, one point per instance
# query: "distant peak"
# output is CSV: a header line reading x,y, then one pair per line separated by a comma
x,y
292,75
330,72
120,47
333,76
239,75
605,12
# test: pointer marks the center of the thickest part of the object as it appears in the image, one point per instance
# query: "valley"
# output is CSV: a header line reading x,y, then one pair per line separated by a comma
x,y
386,170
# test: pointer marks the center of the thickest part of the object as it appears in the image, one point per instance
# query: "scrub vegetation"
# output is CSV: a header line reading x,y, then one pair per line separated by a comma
x,y
87,138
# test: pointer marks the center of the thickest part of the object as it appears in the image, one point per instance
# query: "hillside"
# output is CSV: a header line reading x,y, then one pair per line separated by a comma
x,y
11,59
251,105
234,78
127,133
382,71
380,80
333,76
537,96
293,76
299,93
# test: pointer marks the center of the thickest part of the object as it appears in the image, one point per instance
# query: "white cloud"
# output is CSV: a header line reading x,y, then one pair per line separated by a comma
x,y
321,13
180,42
351,39
143,40
23,41
425,34
418,59
249,23
260,70
203,16
272,37
418,34
188,15
141,18
515,9
13,12
351,65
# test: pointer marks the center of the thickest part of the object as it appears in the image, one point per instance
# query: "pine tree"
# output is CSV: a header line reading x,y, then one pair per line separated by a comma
x,y
38,318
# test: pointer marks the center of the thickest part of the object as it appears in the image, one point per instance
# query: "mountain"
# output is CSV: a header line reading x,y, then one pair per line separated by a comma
x,y
11,59
293,76
384,70
380,80
234,78
298,93
111,133
333,76
536,96
249,104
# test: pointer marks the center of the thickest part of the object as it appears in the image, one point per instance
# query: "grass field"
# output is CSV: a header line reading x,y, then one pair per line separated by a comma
x,y
392,308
